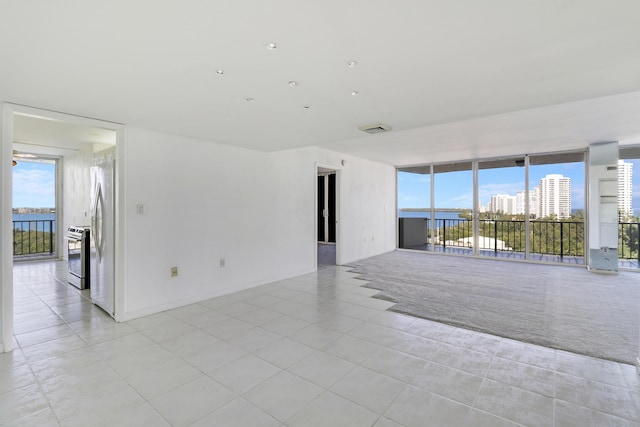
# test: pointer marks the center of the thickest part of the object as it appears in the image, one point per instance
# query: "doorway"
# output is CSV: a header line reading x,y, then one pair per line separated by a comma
x,y
73,142
326,216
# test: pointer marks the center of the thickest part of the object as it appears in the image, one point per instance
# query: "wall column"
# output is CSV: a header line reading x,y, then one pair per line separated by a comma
x,y
603,207
6,237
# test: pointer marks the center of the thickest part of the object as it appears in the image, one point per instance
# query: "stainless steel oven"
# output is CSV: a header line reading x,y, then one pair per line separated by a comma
x,y
78,255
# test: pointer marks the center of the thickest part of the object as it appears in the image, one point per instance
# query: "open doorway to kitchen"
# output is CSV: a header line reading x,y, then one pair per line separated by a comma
x,y
68,146
326,216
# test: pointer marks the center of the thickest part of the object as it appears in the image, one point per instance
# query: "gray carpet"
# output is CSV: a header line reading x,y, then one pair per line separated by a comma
x,y
562,307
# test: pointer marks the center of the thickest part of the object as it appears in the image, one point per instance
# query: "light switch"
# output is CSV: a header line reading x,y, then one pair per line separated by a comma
x,y
140,208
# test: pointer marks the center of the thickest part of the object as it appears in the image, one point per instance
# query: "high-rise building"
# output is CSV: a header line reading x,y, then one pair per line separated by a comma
x,y
520,206
504,204
554,196
520,202
625,188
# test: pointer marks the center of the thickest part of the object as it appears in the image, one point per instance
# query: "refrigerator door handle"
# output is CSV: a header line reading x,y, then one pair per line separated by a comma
x,y
98,225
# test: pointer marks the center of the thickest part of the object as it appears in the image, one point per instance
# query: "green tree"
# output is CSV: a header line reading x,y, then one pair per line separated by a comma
x,y
27,242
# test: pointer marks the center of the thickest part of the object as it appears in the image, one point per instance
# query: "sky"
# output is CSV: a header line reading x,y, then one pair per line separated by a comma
x,y
455,189
34,185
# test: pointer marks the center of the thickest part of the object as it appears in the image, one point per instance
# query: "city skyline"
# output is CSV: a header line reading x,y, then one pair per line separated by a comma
x,y
454,189
552,196
514,205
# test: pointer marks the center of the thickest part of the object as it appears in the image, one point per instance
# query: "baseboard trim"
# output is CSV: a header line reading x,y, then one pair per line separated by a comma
x,y
192,299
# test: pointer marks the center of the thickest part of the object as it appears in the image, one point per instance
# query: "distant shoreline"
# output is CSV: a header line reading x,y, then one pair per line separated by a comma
x,y
436,209
34,210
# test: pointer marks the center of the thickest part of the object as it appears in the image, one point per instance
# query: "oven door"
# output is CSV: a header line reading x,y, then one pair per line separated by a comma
x,y
75,262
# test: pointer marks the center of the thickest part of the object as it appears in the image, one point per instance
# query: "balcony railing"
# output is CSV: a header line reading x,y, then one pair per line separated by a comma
x,y
629,240
34,238
549,239
546,237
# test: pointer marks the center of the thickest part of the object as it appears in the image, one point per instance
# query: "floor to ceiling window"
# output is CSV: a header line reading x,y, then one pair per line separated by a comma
x,y
452,227
435,208
557,182
524,207
629,208
34,207
502,196
414,208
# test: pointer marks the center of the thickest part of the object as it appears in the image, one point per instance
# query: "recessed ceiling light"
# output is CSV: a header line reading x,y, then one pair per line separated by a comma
x,y
355,92
352,64
293,83
249,99
271,46
220,72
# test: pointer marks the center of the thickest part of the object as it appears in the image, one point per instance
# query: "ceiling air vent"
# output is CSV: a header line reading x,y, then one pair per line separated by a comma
x,y
377,128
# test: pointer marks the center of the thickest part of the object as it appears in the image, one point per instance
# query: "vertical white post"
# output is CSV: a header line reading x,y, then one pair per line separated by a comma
x,y
527,209
603,207
6,235
432,209
475,215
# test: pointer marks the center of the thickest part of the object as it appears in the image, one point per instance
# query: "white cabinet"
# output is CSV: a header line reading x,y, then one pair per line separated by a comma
x,y
608,212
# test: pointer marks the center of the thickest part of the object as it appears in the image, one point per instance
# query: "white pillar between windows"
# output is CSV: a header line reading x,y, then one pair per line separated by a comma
x,y
603,207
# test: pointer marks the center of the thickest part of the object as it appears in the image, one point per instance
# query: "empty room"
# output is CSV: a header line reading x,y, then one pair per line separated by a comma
x,y
325,213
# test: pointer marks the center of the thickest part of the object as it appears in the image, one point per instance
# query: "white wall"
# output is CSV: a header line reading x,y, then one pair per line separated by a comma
x,y
77,188
367,203
6,238
205,201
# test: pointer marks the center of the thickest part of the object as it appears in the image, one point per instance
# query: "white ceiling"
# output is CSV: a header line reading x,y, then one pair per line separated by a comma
x,y
37,135
454,79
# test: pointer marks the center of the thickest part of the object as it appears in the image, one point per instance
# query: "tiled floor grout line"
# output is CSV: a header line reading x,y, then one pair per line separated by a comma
x,y
91,342
88,346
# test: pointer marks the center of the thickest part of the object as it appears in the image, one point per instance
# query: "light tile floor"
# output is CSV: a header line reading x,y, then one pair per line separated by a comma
x,y
315,350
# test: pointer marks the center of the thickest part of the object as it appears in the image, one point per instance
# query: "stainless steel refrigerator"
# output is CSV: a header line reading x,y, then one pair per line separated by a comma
x,y
103,234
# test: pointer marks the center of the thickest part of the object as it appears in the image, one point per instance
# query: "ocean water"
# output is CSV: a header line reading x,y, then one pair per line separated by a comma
x,y
439,214
20,222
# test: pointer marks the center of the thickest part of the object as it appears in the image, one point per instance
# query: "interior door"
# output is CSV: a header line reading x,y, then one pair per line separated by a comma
x,y
321,209
331,208
327,208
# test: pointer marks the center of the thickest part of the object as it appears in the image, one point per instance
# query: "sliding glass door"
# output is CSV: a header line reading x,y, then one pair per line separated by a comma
x,y
502,200
557,232
435,208
35,213
414,208
452,227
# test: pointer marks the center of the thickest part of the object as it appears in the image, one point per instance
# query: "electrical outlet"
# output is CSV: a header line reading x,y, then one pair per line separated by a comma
x,y
222,263
174,271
